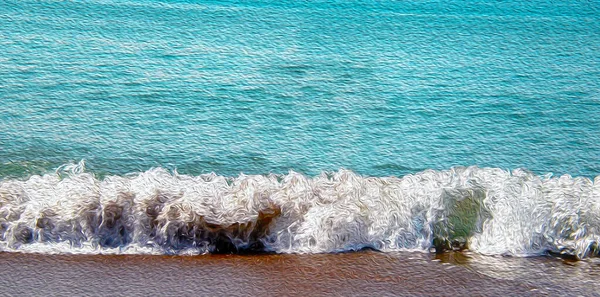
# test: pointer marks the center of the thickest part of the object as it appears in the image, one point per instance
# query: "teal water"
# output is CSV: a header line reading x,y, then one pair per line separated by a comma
x,y
380,88
374,93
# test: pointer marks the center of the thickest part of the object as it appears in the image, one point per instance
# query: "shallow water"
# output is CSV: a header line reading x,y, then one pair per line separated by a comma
x,y
346,274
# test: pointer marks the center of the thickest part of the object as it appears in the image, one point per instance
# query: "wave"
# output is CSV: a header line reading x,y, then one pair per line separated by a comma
x,y
485,210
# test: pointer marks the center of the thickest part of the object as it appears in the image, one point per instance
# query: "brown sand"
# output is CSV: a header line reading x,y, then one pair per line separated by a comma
x,y
347,274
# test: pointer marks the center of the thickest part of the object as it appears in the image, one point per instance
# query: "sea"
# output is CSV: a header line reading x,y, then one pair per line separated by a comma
x,y
302,134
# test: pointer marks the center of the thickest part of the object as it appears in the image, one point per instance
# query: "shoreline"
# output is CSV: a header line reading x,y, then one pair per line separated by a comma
x,y
345,274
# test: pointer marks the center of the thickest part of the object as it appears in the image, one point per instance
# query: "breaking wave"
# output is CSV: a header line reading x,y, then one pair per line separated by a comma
x,y
486,210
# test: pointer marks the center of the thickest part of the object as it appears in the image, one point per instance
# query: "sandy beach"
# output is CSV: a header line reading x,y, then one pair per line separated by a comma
x,y
347,274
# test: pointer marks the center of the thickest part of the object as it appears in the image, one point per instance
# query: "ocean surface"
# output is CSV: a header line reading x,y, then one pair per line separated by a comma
x,y
192,127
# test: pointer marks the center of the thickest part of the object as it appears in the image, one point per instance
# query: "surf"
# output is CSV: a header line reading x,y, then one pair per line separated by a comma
x,y
489,211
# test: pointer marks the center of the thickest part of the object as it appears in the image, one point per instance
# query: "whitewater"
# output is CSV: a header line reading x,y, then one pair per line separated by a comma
x,y
489,211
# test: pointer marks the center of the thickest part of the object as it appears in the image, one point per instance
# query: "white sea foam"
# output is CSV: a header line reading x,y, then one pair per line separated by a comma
x,y
487,210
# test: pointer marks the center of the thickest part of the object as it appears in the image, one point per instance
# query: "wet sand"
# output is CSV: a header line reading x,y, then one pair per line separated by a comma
x,y
348,274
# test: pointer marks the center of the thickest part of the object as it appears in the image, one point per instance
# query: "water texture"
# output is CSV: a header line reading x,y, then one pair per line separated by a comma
x,y
300,127
379,88
489,211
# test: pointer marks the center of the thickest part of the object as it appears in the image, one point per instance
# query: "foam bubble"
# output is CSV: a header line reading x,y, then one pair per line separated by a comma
x,y
487,210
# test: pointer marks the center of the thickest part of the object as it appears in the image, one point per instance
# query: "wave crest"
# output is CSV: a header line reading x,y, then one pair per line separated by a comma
x,y
487,210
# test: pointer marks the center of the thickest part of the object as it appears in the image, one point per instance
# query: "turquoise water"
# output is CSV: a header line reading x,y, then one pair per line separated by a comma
x,y
380,88
390,98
